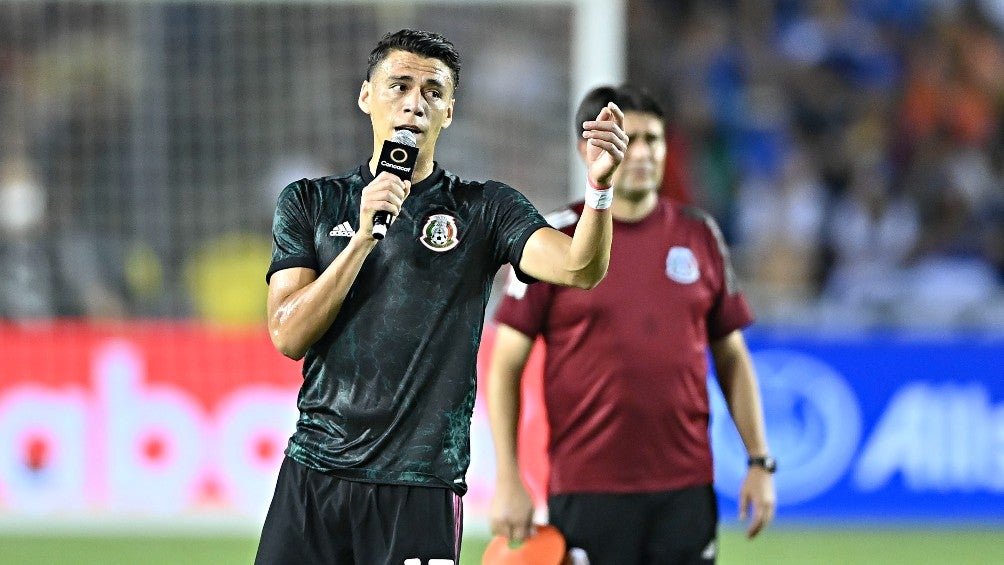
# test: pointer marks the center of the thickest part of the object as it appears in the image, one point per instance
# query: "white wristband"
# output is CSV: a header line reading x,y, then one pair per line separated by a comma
x,y
598,198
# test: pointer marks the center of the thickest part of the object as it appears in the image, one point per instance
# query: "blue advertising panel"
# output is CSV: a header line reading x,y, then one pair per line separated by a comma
x,y
875,427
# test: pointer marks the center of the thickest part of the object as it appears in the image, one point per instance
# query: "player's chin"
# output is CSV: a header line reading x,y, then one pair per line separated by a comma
x,y
635,189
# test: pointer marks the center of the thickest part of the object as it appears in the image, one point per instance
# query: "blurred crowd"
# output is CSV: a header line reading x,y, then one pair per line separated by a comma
x,y
851,149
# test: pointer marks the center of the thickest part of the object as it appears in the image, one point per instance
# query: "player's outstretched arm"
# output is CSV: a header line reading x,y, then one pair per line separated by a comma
x,y
511,511
582,260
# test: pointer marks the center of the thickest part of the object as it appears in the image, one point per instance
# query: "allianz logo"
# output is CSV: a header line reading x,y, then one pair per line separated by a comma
x,y
937,437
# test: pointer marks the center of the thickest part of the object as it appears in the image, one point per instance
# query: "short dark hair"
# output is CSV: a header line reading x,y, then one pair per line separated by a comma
x,y
424,43
629,98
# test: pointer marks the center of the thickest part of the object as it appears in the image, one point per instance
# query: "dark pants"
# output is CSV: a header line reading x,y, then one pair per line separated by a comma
x,y
676,527
318,518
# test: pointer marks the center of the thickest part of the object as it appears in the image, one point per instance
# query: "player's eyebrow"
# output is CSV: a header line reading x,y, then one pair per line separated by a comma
x,y
435,82
408,78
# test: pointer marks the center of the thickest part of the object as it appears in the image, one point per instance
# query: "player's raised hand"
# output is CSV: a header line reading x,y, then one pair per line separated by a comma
x,y
606,143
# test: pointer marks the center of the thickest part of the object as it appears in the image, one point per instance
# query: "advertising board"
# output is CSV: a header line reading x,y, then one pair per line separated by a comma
x,y
170,421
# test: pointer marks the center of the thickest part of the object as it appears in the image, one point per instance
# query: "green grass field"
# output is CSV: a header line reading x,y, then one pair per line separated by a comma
x,y
778,546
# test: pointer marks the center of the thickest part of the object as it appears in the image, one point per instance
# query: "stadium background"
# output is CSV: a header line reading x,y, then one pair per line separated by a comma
x,y
851,150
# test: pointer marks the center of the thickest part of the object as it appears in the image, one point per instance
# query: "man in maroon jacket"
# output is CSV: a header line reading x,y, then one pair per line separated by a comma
x,y
625,375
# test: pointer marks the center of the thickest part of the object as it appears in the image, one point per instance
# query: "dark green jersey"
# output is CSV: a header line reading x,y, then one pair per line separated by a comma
x,y
388,391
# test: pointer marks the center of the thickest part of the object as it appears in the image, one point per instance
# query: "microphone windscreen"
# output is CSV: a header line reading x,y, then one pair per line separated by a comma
x,y
404,137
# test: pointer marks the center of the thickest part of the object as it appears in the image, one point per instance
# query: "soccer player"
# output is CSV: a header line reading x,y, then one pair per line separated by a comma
x,y
389,330
625,375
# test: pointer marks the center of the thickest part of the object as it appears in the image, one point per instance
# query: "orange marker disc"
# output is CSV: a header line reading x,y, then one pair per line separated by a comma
x,y
545,547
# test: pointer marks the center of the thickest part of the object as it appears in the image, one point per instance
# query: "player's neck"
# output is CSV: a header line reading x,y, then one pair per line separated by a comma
x,y
633,208
423,168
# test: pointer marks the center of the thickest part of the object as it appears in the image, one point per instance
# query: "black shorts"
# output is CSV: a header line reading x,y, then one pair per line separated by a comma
x,y
318,518
676,527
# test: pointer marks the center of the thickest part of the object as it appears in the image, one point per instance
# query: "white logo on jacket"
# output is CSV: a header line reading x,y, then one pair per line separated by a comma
x,y
681,265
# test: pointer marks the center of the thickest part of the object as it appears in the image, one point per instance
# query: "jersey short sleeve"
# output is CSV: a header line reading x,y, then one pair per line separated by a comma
x,y
730,310
524,306
516,219
293,231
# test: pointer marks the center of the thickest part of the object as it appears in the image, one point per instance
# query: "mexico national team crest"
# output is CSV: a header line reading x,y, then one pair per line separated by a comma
x,y
440,233
681,265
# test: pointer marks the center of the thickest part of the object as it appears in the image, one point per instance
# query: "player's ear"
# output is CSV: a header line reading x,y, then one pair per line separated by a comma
x,y
364,97
449,113
581,146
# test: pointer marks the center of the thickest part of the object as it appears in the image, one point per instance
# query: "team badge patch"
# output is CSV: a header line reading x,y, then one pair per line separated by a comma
x,y
681,265
440,233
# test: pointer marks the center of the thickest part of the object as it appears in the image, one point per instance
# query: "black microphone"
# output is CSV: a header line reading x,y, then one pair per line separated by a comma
x,y
398,156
